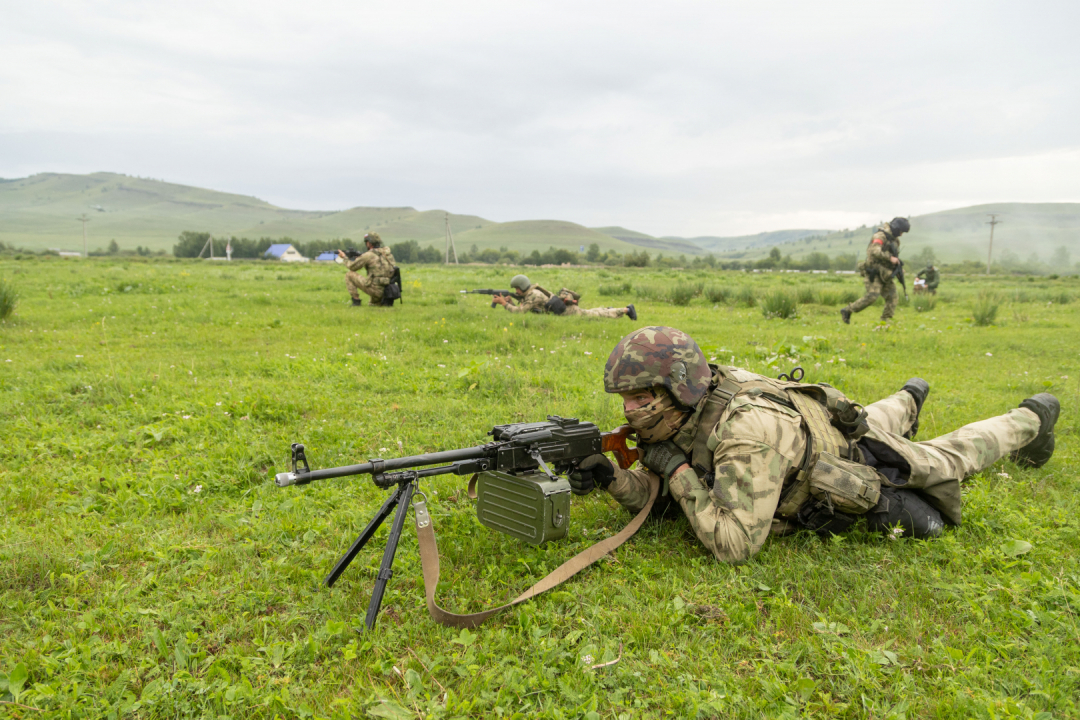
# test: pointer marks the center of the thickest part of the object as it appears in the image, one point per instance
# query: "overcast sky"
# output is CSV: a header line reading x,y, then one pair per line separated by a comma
x,y
673,118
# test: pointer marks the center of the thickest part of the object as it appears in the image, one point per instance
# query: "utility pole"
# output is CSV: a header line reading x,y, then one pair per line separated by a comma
x,y
993,221
82,218
450,242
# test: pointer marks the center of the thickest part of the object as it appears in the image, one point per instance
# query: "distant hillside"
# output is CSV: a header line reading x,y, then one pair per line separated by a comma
x,y
669,245
961,234
748,242
41,211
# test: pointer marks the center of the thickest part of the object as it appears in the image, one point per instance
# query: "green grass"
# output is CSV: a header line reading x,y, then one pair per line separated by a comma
x,y
149,567
984,310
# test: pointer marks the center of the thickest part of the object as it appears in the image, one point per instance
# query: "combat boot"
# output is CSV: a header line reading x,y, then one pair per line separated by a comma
x,y
631,312
845,315
918,389
357,302
1037,452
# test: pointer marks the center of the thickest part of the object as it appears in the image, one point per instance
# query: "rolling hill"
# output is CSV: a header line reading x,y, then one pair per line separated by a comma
x,y
41,211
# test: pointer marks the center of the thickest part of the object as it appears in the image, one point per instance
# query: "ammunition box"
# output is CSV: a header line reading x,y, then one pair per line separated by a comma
x,y
531,507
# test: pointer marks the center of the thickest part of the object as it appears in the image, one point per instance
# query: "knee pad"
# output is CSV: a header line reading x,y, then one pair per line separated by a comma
x,y
904,509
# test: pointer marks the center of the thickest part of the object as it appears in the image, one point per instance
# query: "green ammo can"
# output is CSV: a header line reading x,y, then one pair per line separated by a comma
x,y
533,507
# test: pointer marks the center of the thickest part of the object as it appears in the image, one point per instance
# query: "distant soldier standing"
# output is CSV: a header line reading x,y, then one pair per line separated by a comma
x,y
881,261
379,263
533,298
932,278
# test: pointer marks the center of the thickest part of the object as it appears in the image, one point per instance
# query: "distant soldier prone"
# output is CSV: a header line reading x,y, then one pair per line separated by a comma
x,y
746,456
882,257
533,298
379,263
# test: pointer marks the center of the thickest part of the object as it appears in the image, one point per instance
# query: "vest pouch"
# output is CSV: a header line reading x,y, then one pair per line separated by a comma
x,y
843,485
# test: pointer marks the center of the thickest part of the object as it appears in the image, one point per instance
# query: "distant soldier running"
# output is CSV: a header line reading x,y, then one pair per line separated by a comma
x,y
379,263
882,257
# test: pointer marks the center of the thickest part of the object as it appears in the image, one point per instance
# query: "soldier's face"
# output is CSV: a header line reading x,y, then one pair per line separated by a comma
x,y
635,399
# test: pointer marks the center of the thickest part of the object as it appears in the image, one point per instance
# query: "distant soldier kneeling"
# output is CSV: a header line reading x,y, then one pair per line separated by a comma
x,y
380,266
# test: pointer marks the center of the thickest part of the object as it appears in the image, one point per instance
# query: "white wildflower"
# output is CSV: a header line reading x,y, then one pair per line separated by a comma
x,y
989,354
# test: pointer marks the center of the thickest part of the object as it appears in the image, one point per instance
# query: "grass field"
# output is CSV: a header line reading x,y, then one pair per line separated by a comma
x,y
149,567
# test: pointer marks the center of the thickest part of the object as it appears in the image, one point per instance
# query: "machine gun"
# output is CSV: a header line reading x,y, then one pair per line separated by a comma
x,y
515,476
352,253
493,293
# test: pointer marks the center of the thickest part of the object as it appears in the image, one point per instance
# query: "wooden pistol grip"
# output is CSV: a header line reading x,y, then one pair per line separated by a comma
x,y
615,442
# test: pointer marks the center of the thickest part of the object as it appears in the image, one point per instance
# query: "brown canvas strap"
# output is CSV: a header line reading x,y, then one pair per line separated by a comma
x,y
429,559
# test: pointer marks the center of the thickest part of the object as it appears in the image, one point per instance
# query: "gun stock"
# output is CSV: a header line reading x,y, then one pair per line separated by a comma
x,y
615,442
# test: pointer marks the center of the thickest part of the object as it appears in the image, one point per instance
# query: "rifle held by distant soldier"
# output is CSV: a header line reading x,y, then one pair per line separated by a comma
x,y
493,293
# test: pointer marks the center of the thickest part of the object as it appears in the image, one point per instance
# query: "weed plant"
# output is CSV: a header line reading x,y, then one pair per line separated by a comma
x,y
807,296
985,309
683,293
746,296
150,567
718,294
779,304
610,289
923,302
9,298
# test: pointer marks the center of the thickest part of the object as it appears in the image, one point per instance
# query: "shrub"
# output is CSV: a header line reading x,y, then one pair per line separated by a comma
x,y
746,296
682,294
807,296
779,304
8,299
1059,298
849,296
986,307
832,297
615,289
647,292
717,294
923,302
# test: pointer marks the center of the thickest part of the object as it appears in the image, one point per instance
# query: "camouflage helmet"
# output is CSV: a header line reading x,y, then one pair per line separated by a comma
x,y
659,357
899,225
374,239
520,282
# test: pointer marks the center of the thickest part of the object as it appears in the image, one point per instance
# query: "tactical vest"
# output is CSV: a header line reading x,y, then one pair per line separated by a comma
x,y
832,474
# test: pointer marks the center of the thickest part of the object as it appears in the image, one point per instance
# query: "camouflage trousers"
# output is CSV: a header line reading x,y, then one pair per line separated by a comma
x,y
876,288
371,286
595,312
938,465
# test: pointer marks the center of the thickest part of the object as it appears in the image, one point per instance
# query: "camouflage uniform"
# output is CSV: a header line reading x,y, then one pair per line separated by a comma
x,y
572,308
379,263
877,273
758,444
533,301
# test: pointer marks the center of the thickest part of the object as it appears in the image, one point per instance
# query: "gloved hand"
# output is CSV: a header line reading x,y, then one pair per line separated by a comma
x,y
593,470
663,458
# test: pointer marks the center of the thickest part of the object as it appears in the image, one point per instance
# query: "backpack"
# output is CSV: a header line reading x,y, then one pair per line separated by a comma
x,y
392,291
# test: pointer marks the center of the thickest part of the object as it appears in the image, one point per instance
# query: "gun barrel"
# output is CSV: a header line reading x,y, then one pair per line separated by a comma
x,y
377,466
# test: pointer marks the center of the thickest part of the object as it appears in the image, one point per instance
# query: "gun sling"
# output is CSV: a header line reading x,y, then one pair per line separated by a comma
x,y
429,559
